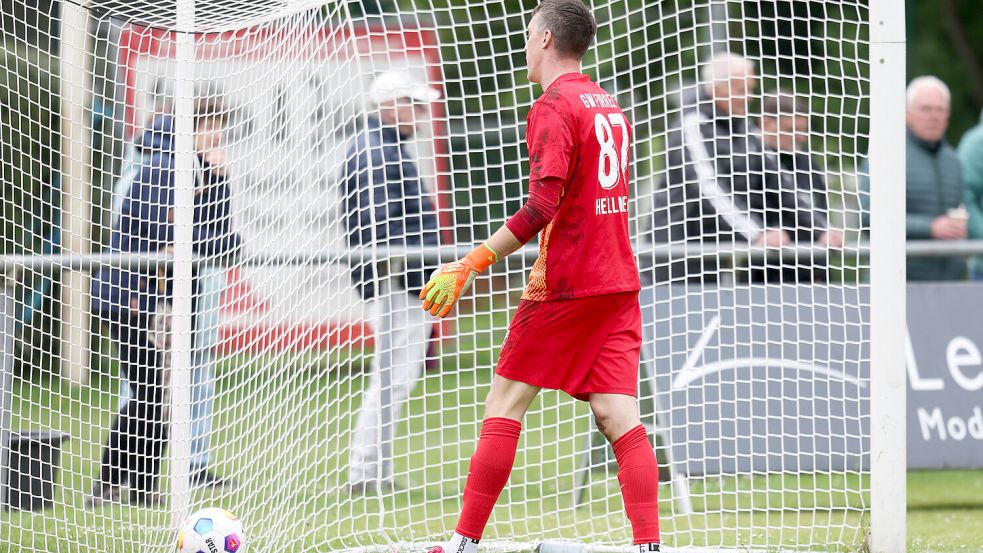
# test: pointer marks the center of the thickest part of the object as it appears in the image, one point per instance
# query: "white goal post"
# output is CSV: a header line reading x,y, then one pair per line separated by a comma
x,y
253,225
888,479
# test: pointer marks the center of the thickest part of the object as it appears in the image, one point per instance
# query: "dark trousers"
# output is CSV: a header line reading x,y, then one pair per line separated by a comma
x,y
135,448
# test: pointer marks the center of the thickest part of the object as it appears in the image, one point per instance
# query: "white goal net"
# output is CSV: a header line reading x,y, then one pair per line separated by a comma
x,y
214,221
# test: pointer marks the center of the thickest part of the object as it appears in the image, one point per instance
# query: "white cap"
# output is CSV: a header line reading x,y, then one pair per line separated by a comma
x,y
398,83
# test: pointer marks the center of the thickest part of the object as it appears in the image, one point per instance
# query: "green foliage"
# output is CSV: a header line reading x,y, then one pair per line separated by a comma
x,y
28,144
29,161
29,166
308,402
945,39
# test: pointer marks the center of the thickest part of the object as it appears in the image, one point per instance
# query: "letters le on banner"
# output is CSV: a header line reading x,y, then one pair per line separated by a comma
x,y
766,377
945,376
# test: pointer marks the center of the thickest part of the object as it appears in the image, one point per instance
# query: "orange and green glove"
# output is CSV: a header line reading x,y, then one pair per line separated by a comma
x,y
448,283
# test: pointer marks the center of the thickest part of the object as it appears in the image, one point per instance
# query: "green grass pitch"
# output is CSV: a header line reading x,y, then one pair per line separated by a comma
x,y
289,451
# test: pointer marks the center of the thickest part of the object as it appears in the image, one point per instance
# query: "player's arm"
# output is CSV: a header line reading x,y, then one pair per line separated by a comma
x,y
450,281
551,146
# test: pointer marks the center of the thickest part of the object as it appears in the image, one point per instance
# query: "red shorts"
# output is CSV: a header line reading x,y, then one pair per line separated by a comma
x,y
581,346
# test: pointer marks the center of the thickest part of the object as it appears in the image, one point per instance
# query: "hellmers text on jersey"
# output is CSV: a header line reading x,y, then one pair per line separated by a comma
x,y
607,206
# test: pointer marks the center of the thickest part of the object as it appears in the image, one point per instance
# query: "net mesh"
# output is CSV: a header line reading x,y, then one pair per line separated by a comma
x,y
312,369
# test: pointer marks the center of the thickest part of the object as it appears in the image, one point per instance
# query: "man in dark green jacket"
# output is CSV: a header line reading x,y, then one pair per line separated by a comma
x,y
934,181
971,155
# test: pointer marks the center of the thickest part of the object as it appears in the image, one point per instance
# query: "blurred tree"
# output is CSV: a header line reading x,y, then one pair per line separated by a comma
x,y
945,39
30,159
29,164
365,7
28,125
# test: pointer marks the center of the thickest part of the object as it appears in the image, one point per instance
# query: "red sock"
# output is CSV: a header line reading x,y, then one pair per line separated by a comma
x,y
488,473
638,473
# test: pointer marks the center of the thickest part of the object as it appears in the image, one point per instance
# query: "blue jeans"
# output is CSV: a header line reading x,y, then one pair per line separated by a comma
x,y
211,284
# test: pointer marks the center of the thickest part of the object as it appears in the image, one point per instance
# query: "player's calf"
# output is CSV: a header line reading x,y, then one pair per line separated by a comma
x,y
638,474
488,473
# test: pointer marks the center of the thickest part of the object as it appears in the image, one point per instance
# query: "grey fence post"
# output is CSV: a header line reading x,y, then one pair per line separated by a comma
x,y
384,349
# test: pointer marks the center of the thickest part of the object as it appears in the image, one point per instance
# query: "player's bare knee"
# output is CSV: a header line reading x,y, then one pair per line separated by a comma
x,y
604,417
614,428
599,422
613,415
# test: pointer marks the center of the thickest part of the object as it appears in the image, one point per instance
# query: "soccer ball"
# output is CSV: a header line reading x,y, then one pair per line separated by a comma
x,y
211,531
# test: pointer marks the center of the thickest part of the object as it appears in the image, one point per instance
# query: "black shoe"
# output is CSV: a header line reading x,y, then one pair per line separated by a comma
x,y
206,479
103,494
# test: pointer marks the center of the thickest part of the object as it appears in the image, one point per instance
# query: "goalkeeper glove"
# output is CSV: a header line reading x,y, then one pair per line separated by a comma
x,y
449,282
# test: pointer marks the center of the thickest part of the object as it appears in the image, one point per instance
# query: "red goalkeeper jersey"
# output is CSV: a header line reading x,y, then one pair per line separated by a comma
x,y
577,132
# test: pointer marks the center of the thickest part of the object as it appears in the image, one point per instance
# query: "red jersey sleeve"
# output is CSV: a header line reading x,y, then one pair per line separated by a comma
x,y
551,144
539,209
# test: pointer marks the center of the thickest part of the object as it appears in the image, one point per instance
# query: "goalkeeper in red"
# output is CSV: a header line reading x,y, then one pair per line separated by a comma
x,y
578,326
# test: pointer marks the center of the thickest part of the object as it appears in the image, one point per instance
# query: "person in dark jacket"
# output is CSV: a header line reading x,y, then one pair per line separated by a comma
x,y
934,184
721,184
785,132
386,205
131,300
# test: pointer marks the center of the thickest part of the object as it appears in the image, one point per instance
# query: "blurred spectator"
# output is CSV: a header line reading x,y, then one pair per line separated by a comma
x,y
133,302
213,215
386,205
785,131
721,185
934,181
213,212
971,155
162,100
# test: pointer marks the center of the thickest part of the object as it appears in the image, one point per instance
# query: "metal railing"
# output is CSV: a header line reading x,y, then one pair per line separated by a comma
x,y
653,252
10,265
647,251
